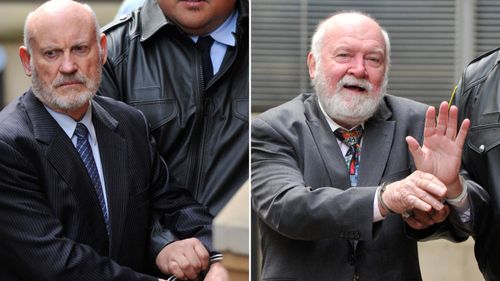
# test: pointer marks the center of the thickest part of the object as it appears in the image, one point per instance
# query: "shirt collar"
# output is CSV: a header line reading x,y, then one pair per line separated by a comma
x,y
224,33
152,19
68,124
333,125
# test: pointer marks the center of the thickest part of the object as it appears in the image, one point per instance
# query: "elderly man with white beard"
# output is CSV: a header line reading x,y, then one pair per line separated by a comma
x,y
337,175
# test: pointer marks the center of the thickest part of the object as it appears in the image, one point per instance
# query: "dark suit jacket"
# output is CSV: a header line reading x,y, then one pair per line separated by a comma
x,y
306,207
52,226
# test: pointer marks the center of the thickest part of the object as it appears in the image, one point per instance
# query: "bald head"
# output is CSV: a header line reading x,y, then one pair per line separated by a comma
x,y
56,13
352,22
63,54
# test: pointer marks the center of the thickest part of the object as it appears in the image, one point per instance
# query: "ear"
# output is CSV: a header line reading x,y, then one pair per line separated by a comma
x,y
311,63
25,56
104,48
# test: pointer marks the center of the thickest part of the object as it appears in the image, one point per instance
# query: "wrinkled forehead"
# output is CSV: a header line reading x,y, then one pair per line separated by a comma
x,y
49,26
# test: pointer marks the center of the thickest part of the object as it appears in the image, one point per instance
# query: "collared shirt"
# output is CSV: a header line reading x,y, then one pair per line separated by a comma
x,y
377,216
68,125
334,126
223,37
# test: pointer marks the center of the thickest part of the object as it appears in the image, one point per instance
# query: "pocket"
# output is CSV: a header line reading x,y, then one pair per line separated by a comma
x,y
483,138
157,109
240,108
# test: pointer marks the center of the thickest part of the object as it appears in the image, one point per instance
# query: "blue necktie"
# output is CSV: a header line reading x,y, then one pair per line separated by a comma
x,y
352,140
83,148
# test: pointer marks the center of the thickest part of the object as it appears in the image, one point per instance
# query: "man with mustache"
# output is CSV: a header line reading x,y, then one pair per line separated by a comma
x,y
80,176
333,182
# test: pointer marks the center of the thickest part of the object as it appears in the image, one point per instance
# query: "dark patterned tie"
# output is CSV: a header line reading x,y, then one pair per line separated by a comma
x,y
204,44
352,140
83,148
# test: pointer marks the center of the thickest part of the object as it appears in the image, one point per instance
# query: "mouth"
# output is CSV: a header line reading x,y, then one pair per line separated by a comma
x,y
69,83
355,88
193,3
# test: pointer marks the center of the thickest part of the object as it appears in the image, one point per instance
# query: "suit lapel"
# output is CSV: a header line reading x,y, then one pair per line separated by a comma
x,y
113,151
63,157
377,142
326,142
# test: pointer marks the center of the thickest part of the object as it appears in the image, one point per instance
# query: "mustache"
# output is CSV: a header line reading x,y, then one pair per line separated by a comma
x,y
351,81
69,79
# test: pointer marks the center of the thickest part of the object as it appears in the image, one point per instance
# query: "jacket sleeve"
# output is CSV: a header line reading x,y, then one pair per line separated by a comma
x,y
176,214
33,245
286,203
109,84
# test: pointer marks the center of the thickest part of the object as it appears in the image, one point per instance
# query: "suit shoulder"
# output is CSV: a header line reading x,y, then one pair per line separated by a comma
x,y
401,106
289,110
118,108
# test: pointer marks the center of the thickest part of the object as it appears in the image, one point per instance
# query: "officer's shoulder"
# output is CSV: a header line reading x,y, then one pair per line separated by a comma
x,y
479,67
492,54
117,23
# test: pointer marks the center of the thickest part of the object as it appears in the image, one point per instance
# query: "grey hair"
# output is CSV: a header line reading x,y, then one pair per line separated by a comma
x,y
319,34
28,37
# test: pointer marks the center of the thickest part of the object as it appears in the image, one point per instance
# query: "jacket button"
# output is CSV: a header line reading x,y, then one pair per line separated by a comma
x,y
481,148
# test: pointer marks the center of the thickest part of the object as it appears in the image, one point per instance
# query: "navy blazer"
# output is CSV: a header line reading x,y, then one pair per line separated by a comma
x,y
51,224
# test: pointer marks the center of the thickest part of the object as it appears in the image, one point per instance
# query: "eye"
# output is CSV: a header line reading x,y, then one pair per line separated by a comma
x,y
342,56
50,54
81,49
374,60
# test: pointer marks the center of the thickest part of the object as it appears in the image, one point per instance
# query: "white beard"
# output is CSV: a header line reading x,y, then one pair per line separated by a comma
x,y
68,100
346,107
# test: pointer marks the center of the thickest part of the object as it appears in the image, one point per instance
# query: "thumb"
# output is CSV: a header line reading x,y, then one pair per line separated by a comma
x,y
415,150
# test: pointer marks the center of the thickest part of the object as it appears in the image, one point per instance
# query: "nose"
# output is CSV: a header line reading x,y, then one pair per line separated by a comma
x,y
357,67
68,64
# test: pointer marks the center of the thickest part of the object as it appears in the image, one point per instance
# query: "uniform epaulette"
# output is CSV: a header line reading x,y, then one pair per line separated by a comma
x,y
116,22
484,55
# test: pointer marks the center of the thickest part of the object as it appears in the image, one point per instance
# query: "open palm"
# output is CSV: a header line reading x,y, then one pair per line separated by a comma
x,y
441,151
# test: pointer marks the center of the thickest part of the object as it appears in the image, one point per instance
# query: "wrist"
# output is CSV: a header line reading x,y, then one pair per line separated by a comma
x,y
455,188
460,197
384,209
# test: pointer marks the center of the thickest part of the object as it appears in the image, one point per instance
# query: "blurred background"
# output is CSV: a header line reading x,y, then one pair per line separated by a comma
x,y
431,43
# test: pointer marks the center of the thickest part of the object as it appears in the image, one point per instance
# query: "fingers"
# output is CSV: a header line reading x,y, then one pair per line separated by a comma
x,y
203,255
430,184
421,191
415,150
462,134
217,273
451,131
421,220
184,259
430,121
442,122
446,121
